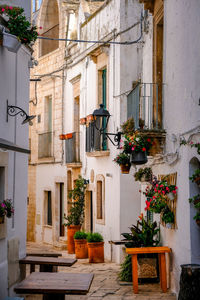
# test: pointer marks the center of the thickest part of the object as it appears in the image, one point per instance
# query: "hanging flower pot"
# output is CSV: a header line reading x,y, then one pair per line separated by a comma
x,y
11,42
139,158
125,168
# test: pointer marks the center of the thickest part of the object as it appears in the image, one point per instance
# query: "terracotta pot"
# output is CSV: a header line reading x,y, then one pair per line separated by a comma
x,y
198,222
125,169
96,252
139,158
2,220
81,248
71,230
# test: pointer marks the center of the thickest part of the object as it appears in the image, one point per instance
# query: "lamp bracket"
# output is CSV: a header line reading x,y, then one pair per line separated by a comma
x,y
14,111
117,138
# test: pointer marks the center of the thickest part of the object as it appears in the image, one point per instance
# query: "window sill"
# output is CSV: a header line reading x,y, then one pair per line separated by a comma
x,y
74,165
98,153
48,226
46,160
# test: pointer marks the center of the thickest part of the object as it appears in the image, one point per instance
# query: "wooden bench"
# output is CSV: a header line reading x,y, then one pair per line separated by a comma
x,y
44,254
162,264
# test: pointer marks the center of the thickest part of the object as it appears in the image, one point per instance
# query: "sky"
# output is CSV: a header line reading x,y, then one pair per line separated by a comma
x,y
34,4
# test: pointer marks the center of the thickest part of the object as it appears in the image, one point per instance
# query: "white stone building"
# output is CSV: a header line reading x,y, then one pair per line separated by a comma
x,y
96,74
14,144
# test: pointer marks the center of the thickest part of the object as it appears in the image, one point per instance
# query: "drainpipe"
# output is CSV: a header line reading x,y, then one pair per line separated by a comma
x,y
36,5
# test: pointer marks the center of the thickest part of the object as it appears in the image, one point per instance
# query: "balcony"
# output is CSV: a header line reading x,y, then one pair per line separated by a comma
x,y
72,150
45,145
144,104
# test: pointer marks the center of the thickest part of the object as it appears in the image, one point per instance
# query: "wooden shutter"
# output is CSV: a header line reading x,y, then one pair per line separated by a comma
x,y
133,105
171,179
70,153
99,200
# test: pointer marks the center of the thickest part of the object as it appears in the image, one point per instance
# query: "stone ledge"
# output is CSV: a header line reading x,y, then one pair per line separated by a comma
x,y
98,153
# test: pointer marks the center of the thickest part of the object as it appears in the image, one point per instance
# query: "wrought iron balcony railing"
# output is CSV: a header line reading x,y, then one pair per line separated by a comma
x,y
144,104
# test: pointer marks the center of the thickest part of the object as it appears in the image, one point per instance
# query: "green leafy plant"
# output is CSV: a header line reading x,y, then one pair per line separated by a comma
x,y
128,127
196,176
197,216
141,123
18,25
126,269
6,208
167,216
76,213
144,234
143,172
191,144
94,237
80,235
122,159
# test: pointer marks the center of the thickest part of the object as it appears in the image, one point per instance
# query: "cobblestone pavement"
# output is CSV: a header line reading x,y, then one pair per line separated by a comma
x,y
105,284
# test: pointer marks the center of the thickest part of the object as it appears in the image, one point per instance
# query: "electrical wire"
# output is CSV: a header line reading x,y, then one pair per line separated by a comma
x,y
102,42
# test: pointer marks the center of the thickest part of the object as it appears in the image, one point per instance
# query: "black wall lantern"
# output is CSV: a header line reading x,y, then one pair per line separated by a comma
x,y
15,110
101,117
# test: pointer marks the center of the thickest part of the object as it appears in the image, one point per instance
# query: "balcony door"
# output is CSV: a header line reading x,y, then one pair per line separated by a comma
x,y
61,196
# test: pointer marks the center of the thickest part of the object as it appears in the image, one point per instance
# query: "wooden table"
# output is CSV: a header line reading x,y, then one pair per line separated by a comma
x,y
54,286
44,254
162,264
47,264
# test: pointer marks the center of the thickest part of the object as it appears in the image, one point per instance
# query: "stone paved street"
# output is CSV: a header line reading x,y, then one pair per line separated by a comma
x,y
105,284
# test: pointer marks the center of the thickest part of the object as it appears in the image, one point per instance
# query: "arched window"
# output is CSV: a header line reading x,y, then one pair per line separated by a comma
x,y
50,26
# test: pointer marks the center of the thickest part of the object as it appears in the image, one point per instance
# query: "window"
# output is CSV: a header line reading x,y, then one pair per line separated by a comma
x,y
100,199
50,24
48,208
45,139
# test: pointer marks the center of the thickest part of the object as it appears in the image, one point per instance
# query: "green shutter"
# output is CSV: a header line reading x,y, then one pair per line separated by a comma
x,y
104,144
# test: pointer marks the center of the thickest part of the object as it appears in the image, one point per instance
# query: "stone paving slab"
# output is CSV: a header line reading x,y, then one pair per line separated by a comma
x,y
105,285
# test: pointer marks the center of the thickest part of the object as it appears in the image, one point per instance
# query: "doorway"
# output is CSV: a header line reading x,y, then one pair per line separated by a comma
x,y
62,230
89,212
194,228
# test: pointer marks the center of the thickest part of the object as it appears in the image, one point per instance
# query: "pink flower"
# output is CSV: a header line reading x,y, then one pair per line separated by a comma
x,y
155,190
10,7
143,149
40,27
163,192
154,197
176,187
161,185
167,189
191,143
3,9
133,148
6,7
156,185
159,191
174,192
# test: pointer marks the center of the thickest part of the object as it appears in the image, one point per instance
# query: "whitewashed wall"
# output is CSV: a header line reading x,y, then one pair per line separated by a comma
x,y
122,199
14,86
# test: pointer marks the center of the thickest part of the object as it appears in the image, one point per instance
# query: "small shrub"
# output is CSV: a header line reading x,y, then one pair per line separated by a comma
x,y
126,269
80,235
128,127
94,237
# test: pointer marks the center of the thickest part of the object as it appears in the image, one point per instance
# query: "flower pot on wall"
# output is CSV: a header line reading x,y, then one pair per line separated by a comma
x,y
198,222
71,230
81,248
96,252
139,158
125,168
197,181
11,42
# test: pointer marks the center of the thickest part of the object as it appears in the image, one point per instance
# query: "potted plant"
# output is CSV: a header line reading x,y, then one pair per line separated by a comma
x,y
123,160
143,174
196,202
81,249
128,127
20,29
76,214
196,177
95,247
144,234
138,146
6,209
